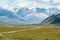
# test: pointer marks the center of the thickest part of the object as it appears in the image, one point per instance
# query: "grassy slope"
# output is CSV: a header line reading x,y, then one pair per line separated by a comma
x,y
43,33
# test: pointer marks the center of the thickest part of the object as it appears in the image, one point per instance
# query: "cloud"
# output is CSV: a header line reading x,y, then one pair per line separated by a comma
x,y
35,17
6,20
41,15
11,4
55,2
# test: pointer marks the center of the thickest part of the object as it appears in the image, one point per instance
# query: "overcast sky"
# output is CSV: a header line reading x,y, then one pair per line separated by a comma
x,y
11,4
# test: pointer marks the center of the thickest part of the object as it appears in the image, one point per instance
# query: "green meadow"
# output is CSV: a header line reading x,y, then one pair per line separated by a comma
x,y
29,32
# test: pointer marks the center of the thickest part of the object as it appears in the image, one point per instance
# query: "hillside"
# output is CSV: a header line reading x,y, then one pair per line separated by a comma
x,y
54,19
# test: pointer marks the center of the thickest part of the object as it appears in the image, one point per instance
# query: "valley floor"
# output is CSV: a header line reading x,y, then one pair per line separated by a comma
x,y
29,32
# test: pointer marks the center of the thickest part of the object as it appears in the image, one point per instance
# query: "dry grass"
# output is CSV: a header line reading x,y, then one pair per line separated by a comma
x,y
42,33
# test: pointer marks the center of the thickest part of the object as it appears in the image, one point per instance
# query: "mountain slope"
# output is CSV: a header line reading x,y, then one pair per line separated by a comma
x,y
9,17
54,19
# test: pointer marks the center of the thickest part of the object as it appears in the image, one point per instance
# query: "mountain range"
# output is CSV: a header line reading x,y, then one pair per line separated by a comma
x,y
26,15
9,17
